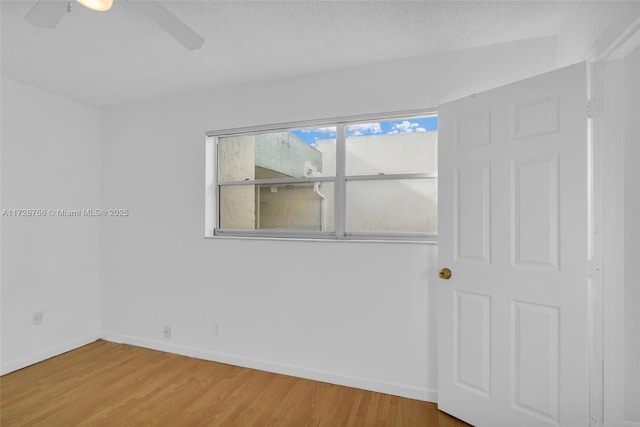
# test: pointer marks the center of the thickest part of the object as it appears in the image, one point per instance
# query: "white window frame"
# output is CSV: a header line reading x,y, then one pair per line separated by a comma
x,y
340,180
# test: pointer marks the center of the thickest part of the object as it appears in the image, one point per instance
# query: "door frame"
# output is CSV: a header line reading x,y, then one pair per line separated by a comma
x,y
606,229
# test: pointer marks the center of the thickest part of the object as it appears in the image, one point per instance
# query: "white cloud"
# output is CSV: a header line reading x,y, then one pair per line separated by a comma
x,y
406,127
363,128
331,131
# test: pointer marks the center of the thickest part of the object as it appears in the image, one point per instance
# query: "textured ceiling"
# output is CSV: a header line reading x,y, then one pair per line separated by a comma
x,y
120,56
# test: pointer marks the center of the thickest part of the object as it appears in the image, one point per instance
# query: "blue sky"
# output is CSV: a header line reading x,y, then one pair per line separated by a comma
x,y
310,136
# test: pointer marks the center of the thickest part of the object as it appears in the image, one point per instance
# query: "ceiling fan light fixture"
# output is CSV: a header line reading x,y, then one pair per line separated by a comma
x,y
98,5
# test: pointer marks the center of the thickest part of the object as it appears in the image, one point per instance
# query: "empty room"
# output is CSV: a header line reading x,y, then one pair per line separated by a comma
x,y
320,213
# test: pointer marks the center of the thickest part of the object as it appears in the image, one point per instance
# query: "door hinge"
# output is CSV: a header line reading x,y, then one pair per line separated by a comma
x,y
593,270
593,108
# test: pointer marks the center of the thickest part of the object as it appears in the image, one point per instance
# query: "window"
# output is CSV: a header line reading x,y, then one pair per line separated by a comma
x,y
345,179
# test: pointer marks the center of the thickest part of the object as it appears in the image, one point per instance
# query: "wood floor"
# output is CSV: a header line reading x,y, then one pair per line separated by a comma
x,y
108,384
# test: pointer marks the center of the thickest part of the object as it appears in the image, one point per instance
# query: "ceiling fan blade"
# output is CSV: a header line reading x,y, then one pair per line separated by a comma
x,y
169,22
46,14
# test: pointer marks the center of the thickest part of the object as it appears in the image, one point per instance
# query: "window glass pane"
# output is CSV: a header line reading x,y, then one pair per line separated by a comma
x,y
237,207
394,205
285,154
392,147
294,207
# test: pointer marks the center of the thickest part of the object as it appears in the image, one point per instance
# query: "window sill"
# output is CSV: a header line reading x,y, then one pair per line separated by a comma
x,y
415,241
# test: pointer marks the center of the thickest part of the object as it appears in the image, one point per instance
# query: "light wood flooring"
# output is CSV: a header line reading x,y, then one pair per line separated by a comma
x,y
116,385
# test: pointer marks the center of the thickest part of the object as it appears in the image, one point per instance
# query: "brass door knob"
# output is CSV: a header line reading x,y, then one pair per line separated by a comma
x,y
445,274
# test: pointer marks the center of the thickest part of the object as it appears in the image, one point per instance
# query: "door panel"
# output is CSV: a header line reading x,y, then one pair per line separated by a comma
x,y
535,213
512,338
472,197
536,360
472,345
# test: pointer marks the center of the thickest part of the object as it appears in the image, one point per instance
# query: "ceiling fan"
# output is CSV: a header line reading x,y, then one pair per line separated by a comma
x,y
47,14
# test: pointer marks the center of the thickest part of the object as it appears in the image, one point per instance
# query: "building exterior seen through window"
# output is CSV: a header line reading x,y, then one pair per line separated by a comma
x,y
375,179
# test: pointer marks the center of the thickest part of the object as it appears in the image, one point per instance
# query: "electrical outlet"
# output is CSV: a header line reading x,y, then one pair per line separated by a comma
x,y
38,317
166,332
217,329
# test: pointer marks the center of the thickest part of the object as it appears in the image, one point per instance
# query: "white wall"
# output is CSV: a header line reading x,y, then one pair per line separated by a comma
x,y
592,28
50,160
632,241
366,321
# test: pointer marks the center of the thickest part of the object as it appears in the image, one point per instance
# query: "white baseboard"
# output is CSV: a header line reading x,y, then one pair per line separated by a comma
x,y
39,356
403,390
627,423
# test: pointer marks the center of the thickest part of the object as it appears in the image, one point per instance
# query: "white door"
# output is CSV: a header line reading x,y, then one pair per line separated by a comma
x,y
512,319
